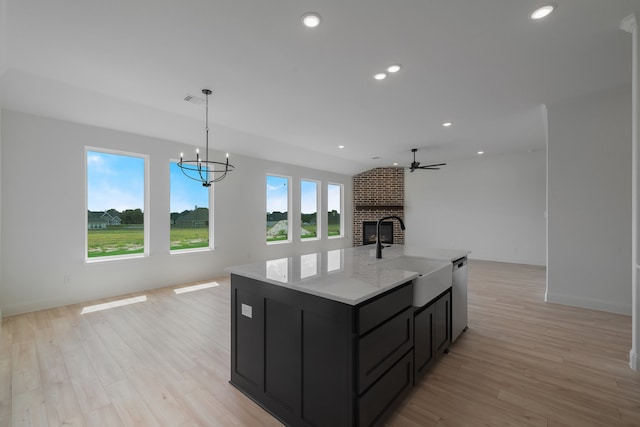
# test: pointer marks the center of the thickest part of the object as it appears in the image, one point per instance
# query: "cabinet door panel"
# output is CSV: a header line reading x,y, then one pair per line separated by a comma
x,y
282,353
424,348
377,311
381,396
381,348
326,370
249,337
442,324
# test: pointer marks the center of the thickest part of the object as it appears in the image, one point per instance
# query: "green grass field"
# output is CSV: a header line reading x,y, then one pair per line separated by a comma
x,y
126,241
334,230
189,238
115,241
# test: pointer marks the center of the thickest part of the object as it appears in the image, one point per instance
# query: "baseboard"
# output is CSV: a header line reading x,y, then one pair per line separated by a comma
x,y
512,261
36,305
633,360
589,303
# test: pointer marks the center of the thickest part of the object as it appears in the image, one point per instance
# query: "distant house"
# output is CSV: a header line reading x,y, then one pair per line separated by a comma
x,y
100,220
198,217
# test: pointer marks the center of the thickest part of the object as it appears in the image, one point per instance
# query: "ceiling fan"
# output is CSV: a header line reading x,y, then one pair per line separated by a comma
x,y
416,165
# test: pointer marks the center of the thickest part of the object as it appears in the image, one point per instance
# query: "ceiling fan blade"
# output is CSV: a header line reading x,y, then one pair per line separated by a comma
x,y
416,165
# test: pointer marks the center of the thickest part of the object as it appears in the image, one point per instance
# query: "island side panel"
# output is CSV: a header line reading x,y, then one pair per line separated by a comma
x,y
302,346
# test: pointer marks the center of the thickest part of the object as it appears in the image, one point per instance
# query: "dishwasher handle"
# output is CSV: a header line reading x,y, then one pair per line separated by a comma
x,y
459,263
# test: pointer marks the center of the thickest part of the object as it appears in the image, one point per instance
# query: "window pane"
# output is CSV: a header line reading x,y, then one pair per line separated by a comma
x,y
334,207
277,208
189,220
115,202
309,209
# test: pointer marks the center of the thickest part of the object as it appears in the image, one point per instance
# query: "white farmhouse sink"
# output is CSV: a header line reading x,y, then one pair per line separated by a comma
x,y
435,276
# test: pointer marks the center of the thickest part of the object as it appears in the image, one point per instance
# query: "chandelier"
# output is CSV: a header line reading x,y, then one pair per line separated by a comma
x,y
204,170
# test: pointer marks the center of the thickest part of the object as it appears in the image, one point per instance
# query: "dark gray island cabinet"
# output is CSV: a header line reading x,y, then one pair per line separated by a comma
x,y
332,342
311,361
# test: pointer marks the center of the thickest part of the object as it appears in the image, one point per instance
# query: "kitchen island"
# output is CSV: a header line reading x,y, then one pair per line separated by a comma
x,y
327,339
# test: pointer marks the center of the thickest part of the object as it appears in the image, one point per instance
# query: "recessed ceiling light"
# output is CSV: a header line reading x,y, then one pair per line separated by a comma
x,y
380,76
480,153
447,124
340,146
394,68
543,11
311,19
395,163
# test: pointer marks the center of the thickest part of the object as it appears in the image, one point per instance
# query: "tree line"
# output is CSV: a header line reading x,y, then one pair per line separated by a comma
x,y
128,216
334,217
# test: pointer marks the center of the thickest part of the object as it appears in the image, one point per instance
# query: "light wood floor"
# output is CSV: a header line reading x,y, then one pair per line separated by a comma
x,y
165,361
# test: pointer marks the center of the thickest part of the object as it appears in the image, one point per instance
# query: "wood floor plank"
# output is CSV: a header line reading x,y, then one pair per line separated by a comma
x,y
63,408
160,401
104,417
29,409
166,361
129,406
25,373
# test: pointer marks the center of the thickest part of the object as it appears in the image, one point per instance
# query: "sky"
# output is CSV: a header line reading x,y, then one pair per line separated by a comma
x,y
186,193
309,196
117,182
277,195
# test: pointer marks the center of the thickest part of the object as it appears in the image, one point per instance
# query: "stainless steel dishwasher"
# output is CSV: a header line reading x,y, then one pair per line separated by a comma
x,y
459,297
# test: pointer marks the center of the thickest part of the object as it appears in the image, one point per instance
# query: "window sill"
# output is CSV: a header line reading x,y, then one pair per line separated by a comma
x,y
98,260
278,242
190,251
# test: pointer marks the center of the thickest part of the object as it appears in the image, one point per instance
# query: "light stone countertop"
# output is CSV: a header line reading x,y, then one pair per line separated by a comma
x,y
350,276
437,253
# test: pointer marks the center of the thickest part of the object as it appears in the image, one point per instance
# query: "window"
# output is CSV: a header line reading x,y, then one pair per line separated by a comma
x,y
309,210
115,204
334,208
278,197
189,212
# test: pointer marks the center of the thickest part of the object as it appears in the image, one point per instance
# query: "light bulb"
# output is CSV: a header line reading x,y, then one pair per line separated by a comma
x,y
543,11
311,20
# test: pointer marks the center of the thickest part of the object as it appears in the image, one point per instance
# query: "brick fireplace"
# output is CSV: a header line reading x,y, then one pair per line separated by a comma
x,y
378,193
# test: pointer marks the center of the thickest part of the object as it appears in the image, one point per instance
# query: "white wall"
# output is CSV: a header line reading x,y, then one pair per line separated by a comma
x,y
589,202
43,216
491,205
3,68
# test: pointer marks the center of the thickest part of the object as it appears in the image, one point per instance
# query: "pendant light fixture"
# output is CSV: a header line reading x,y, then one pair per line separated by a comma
x,y
204,170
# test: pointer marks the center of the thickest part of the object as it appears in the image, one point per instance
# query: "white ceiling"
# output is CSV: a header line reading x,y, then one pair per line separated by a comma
x,y
287,93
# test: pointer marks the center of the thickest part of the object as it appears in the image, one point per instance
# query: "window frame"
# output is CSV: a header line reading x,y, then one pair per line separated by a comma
x,y
318,210
211,245
289,206
341,187
145,208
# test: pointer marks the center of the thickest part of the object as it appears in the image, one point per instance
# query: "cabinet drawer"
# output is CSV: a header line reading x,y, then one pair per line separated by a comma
x,y
382,347
381,396
372,314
